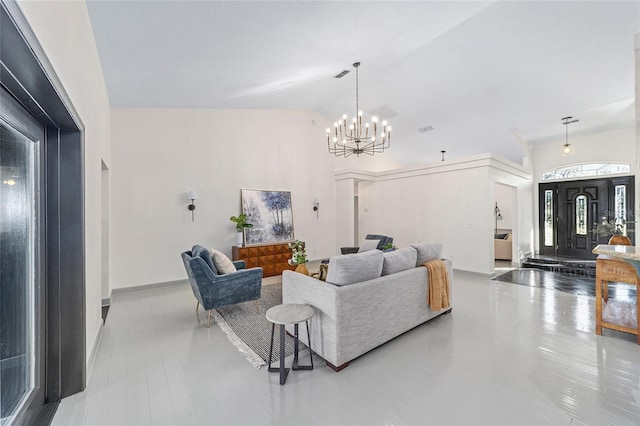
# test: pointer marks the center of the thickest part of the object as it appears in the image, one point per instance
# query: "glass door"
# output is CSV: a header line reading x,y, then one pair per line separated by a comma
x,y
21,366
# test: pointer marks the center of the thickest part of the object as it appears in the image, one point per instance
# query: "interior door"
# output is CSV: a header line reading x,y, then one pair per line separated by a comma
x,y
569,211
580,203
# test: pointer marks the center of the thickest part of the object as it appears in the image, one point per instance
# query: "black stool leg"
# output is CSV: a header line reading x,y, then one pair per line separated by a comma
x,y
309,342
283,371
296,348
270,369
295,365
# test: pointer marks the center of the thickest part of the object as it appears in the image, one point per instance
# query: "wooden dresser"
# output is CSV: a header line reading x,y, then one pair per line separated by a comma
x,y
272,258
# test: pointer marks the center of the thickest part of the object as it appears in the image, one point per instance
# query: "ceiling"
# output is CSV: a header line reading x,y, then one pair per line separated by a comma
x,y
487,76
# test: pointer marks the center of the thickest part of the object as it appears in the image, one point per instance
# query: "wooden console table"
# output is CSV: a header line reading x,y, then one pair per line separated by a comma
x,y
616,263
272,258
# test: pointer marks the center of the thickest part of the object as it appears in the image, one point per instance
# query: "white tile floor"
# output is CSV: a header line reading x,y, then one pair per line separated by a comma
x,y
507,354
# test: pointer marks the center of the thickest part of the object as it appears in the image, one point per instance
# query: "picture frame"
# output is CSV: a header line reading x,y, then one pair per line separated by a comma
x,y
270,213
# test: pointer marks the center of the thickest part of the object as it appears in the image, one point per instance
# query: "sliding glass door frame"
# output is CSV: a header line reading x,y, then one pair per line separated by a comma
x,y
14,117
30,79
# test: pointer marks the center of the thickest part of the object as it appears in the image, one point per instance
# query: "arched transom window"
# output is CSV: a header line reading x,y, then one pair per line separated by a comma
x,y
585,170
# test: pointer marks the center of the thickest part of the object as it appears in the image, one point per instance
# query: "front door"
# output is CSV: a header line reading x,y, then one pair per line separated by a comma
x,y
572,213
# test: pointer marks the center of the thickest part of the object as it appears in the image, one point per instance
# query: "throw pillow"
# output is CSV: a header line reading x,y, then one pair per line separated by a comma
x,y
223,264
355,268
399,260
427,251
368,245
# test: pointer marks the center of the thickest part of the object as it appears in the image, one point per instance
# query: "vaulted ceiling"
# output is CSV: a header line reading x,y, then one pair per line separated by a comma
x,y
487,76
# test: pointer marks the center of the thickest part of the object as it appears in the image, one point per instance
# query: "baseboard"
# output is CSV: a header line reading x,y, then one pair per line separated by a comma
x,y
94,349
146,287
475,274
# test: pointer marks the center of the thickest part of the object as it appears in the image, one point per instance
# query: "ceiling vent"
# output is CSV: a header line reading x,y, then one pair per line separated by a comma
x,y
342,74
385,112
425,129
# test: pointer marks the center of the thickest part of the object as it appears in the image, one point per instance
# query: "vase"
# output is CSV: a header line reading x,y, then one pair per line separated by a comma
x,y
302,269
239,239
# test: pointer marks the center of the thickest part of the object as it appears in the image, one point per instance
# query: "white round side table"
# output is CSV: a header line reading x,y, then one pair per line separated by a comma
x,y
289,313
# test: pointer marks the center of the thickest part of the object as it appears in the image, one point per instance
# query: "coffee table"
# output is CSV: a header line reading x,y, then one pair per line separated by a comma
x,y
289,313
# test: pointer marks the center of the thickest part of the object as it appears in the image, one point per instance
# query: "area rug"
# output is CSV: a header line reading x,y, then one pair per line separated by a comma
x,y
579,285
250,331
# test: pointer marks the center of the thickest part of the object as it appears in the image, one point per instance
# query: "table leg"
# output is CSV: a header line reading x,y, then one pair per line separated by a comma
x,y
283,371
295,365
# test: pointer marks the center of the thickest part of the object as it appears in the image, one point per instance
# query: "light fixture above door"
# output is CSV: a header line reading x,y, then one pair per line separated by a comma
x,y
567,148
355,138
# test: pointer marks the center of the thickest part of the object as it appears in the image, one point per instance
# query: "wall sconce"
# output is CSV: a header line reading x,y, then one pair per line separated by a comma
x,y
193,195
316,207
498,216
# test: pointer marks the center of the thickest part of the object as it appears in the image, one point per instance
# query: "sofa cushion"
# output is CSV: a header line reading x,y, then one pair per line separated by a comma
x,y
368,245
427,251
399,260
354,268
223,264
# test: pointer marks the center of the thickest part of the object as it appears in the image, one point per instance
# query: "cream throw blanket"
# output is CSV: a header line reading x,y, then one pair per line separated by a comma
x,y
438,294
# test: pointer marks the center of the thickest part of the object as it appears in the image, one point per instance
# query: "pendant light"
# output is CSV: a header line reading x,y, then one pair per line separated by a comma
x,y
567,148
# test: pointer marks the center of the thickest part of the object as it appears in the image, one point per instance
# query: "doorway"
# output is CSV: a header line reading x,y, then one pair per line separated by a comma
x,y
572,213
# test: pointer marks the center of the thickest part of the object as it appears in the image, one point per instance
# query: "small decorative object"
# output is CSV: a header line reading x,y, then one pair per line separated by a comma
x,y
298,256
241,223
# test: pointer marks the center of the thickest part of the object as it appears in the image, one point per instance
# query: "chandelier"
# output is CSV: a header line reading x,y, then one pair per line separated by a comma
x,y
357,138
567,149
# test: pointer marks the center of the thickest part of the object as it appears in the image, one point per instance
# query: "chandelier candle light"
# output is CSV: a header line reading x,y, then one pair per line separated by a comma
x,y
356,138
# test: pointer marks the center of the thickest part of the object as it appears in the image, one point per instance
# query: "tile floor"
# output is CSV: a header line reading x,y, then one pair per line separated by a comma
x,y
507,354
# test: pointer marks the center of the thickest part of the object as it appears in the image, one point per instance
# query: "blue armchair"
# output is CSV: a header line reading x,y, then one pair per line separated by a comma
x,y
213,290
384,240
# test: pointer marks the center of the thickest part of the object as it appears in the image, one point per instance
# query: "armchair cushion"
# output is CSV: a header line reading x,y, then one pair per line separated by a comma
x,y
202,252
383,240
222,263
367,245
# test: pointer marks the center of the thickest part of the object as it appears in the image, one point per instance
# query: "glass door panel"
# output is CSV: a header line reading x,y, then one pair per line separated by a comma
x,y
18,243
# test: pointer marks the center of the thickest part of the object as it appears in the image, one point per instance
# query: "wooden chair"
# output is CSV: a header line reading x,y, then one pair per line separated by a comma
x,y
611,269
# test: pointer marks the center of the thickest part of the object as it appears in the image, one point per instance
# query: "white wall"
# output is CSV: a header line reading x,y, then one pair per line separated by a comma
x,y
64,31
449,202
160,154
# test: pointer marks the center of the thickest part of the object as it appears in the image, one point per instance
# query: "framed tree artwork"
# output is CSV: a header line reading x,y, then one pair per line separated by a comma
x,y
270,213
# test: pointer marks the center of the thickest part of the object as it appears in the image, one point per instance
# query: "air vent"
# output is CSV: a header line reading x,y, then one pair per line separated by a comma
x,y
385,112
425,129
342,74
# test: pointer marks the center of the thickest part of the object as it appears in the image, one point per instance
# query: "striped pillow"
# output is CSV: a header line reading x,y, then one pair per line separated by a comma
x,y
223,264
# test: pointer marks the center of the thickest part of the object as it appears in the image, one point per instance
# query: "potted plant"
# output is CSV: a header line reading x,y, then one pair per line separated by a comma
x,y
241,223
298,256
612,229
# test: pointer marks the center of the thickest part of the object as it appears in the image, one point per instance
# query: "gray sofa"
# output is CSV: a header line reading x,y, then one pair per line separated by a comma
x,y
354,315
